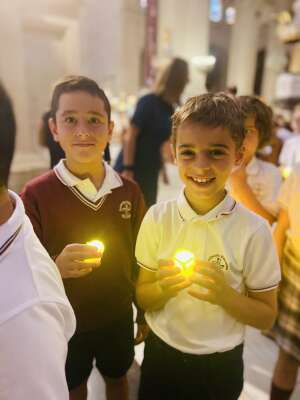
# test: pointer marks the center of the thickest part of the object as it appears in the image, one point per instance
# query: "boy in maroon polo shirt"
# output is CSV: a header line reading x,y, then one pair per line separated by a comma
x,y
80,200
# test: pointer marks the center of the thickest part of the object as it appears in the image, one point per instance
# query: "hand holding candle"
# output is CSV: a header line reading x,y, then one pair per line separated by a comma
x,y
170,279
185,260
211,284
100,247
77,260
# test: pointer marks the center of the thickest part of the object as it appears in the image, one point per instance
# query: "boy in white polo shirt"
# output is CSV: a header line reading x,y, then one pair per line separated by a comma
x,y
36,319
198,318
256,183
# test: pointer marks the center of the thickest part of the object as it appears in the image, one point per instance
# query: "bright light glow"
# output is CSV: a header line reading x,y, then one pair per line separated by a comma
x,y
185,260
100,246
216,10
204,63
285,172
230,15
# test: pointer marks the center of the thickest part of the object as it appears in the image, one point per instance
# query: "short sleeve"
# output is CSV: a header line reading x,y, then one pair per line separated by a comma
x,y
261,264
285,192
143,111
147,242
33,347
274,186
283,156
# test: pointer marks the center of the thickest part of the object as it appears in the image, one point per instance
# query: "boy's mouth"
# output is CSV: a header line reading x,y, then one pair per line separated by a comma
x,y
203,180
83,144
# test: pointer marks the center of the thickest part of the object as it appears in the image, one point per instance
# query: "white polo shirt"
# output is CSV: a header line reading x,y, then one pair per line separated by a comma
x,y
230,235
36,319
265,181
85,186
290,152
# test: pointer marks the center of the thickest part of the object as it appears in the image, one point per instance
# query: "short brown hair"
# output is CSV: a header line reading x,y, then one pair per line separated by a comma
x,y
214,110
75,83
7,135
252,106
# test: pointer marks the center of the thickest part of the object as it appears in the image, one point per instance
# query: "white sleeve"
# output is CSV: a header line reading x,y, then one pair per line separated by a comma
x,y
273,185
261,264
147,242
284,197
33,348
285,154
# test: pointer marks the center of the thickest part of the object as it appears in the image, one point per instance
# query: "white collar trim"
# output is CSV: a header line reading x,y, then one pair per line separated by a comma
x,y
225,207
11,228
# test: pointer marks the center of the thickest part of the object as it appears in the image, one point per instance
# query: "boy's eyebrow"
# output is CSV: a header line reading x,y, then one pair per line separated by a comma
x,y
66,112
218,145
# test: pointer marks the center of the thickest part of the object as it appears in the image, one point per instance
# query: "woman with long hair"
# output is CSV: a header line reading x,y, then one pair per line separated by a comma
x,y
150,127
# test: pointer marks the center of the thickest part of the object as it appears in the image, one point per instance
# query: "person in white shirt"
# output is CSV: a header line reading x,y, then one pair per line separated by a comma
x,y
198,302
287,327
290,153
256,183
36,319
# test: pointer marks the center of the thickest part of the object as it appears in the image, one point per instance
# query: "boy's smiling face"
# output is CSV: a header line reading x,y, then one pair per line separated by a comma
x,y
82,129
205,157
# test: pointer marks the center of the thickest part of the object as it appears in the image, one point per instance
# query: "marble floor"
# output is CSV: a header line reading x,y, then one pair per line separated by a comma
x,y
259,355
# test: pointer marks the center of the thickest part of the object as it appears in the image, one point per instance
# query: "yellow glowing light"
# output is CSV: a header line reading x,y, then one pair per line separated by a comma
x,y
285,172
100,246
185,260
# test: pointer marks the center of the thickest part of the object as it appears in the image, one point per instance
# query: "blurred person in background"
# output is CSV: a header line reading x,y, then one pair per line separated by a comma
x,y
150,127
256,183
290,153
36,319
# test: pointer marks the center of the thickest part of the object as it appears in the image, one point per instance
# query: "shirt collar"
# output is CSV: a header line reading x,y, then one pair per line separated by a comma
x,y
10,229
225,207
253,167
111,180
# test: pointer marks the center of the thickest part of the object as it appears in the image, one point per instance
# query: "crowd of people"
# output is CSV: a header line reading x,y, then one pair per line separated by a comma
x,y
83,242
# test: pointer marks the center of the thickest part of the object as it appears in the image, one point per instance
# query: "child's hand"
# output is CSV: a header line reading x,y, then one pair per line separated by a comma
x,y
238,174
72,262
169,278
212,284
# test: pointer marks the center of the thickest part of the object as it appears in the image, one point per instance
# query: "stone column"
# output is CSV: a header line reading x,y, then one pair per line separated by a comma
x,y
12,72
184,32
243,46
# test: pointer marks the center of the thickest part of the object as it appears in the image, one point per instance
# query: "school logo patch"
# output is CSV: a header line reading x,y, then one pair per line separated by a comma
x,y
220,261
125,209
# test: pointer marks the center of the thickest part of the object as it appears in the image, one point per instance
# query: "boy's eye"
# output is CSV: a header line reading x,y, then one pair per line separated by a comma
x,y
95,120
217,153
187,153
70,120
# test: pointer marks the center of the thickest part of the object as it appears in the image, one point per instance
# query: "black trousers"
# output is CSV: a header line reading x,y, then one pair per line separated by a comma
x,y
168,374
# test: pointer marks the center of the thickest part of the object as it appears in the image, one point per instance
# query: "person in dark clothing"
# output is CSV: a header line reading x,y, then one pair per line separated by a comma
x,y
150,127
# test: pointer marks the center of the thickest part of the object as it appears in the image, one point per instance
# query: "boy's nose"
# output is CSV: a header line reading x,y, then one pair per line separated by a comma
x,y
82,129
202,162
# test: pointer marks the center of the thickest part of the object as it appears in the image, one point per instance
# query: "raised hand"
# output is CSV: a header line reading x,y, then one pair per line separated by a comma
x,y
77,260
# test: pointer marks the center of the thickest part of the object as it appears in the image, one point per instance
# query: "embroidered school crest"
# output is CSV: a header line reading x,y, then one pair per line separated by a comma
x,y
220,261
125,209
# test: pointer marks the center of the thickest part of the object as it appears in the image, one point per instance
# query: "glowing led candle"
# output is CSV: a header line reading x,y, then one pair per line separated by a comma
x,y
185,260
100,247
285,172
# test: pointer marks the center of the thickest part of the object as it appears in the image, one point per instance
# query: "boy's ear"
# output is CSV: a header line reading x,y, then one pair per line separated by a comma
x,y
239,157
173,152
110,130
53,129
